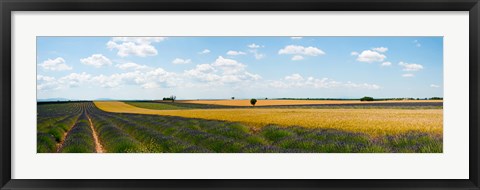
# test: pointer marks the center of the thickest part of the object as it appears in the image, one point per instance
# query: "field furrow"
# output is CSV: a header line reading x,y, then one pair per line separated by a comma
x,y
98,146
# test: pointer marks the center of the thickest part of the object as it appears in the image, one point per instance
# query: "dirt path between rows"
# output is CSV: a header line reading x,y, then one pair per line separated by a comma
x,y
60,144
98,146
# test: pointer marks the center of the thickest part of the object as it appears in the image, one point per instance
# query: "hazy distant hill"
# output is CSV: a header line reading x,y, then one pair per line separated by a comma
x,y
104,99
54,100
98,99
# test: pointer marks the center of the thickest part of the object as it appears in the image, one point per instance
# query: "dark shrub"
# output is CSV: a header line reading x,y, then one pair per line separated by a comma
x,y
366,98
253,101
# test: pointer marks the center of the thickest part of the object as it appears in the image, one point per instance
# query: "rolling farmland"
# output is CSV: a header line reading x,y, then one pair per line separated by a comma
x,y
152,127
369,121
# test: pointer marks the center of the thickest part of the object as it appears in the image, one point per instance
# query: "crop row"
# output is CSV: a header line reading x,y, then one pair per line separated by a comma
x,y
53,122
79,139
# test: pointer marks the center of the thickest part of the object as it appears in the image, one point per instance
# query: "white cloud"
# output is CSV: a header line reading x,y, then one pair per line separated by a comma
x,y
131,66
96,60
150,85
370,56
222,71
296,80
254,49
408,75
323,83
354,53
45,78
380,49
57,64
138,46
410,66
161,78
75,79
251,76
231,52
205,51
434,86
387,63
278,84
203,72
254,46
204,68
300,50
417,43
155,78
296,38
256,54
294,77
114,80
297,58
139,40
130,48
362,85
71,80
151,78
181,61
46,83
228,65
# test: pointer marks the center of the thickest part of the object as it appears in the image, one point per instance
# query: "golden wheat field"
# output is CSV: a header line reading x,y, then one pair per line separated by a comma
x,y
369,121
293,102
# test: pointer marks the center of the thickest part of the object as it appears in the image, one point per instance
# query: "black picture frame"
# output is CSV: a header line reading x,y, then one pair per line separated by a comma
x,y
7,6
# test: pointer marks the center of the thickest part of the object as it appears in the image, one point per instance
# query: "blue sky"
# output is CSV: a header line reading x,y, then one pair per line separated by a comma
x,y
243,67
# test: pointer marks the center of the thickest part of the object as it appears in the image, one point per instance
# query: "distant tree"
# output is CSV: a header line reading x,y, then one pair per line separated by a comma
x,y
366,98
266,98
253,101
171,98
233,98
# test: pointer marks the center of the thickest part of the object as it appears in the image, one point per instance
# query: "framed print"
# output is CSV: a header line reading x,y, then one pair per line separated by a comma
x,y
239,94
